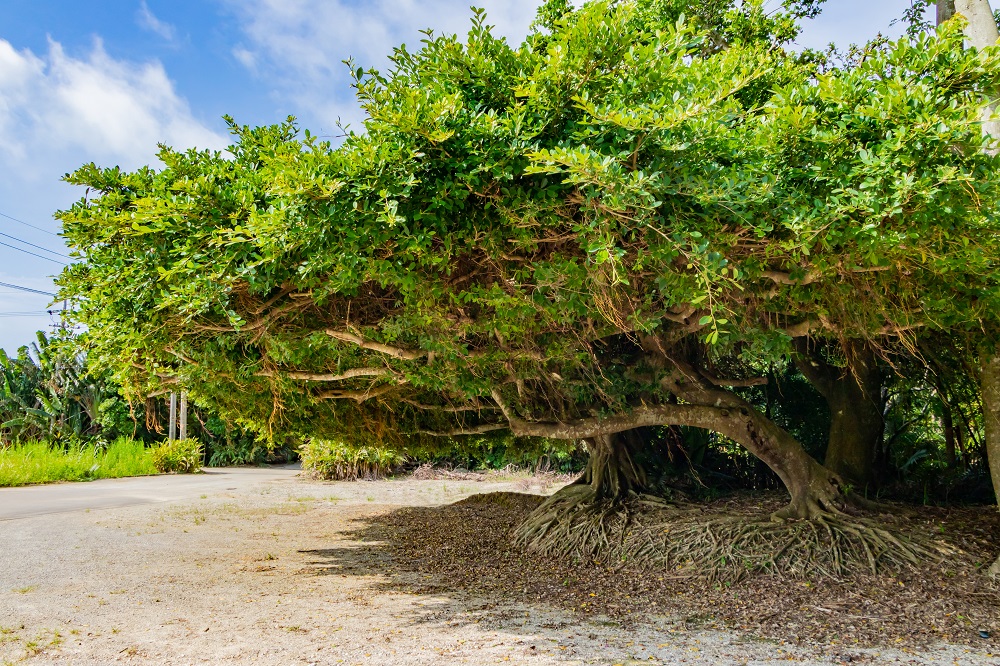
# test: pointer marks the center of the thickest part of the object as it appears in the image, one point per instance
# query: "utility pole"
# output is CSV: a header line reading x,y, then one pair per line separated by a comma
x,y
173,416
184,415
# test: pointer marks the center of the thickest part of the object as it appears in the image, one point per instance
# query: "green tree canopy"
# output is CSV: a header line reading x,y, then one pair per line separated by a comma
x,y
603,228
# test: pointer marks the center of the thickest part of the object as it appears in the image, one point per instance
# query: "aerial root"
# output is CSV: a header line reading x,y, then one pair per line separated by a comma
x,y
721,547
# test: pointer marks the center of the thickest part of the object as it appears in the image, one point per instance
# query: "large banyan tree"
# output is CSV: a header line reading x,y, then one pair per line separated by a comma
x,y
611,226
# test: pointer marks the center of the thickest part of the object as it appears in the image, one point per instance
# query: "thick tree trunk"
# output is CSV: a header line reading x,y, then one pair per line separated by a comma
x,y
614,470
982,28
990,383
856,419
815,491
981,32
854,395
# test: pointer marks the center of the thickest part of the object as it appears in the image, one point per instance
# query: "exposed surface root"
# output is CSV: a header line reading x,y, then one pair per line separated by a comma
x,y
469,547
651,533
572,523
829,546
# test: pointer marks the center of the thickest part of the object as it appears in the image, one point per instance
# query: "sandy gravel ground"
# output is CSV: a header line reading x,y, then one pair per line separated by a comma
x,y
268,575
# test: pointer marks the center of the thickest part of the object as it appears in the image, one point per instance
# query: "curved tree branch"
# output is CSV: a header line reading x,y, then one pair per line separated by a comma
x,y
358,396
781,277
395,352
446,408
801,329
697,416
820,374
258,323
328,377
457,432
723,381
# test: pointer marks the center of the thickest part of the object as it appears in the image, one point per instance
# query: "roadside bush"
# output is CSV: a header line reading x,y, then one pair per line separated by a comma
x,y
181,455
332,460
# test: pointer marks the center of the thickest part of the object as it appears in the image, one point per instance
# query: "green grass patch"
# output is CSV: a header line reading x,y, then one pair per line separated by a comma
x,y
40,462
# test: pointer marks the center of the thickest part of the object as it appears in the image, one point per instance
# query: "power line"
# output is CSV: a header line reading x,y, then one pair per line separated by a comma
x,y
27,289
44,231
29,312
44,249
14,247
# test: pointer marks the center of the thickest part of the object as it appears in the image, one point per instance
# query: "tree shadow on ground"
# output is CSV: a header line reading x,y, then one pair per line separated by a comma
x,y
465,550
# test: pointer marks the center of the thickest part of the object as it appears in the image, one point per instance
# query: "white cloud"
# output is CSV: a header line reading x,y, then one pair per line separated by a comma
x,y
148,20
300,44
57,107
245,58
58,112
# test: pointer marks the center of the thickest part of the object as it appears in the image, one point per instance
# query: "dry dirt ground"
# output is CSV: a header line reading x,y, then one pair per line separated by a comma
x,y
291,572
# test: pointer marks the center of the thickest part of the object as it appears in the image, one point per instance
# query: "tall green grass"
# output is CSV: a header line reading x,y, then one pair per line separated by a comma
x,y
40,462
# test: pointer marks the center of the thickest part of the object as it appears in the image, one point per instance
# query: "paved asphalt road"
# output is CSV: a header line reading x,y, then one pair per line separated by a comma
x,y
112,493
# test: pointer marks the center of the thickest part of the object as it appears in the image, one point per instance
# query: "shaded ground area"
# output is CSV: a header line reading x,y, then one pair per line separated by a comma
x,y
302,572
468,546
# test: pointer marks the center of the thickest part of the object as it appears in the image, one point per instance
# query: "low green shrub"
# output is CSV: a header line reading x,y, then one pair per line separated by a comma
x,y
229,454
181,455
43,462
333,460
247,451
501,450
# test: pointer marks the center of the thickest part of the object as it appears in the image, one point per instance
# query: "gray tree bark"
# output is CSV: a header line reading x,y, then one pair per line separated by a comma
x,y
980,32
612,470
990,383
945,10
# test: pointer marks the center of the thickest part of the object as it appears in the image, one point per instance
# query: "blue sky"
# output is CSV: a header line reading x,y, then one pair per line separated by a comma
x,y
106,81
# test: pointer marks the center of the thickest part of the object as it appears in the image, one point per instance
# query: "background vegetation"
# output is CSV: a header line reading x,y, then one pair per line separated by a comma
x,y
61,421
40,462
51,408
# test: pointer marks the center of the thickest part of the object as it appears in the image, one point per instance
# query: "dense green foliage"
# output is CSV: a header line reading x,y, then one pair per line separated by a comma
x,y
48,392
529,189
329,459
499,450
180,455
615,224
40,462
